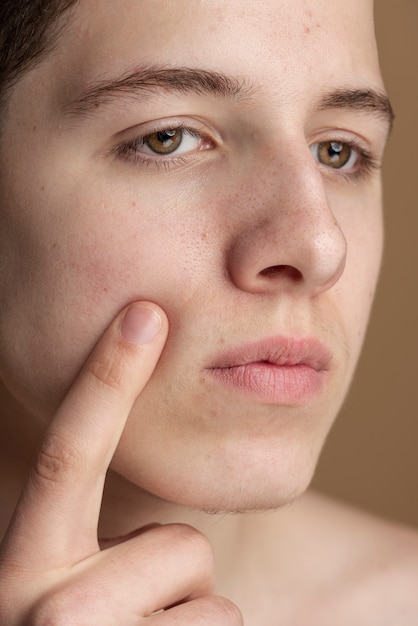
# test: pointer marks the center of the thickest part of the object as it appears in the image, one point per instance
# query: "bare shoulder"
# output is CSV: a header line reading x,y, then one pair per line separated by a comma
x,y
319,562
372,572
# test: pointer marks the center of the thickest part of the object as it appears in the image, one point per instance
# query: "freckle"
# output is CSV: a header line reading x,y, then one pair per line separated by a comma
x,y
307,30
105,289
34,128
133,204
203,236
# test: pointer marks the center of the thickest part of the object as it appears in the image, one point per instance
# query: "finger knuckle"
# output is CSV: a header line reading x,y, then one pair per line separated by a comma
x,y
6,607
59,609
43,615
58,460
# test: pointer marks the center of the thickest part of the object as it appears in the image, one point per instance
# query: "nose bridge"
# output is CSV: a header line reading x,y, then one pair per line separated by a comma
x,y
291,236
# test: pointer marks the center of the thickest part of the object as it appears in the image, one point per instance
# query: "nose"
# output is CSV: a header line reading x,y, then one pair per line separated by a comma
x,y
289,237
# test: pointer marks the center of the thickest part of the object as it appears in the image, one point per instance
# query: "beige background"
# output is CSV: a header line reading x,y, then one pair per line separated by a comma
x,y
371,457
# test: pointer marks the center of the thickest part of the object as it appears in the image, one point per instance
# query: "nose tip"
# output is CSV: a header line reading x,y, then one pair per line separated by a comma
x,y
303,249
326,259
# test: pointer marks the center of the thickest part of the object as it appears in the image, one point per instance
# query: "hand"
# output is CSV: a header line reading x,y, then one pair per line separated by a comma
x,y
52,571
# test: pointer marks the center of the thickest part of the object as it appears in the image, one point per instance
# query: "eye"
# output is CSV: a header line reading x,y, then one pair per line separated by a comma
x,y
169,141
165,141
165,146
336,154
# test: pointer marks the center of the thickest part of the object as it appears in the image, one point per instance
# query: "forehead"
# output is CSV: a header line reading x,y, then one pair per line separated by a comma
x,y
286,45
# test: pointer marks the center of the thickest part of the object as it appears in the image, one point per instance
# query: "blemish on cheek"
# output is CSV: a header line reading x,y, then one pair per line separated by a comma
x,y
311,24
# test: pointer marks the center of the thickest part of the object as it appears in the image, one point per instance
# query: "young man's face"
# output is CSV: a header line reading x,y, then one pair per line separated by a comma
x,y
231,179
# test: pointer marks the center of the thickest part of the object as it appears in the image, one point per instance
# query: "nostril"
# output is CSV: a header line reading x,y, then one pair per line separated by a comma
x,y
276,271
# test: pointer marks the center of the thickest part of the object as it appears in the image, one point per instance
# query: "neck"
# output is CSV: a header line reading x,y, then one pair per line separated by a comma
x,y
126,508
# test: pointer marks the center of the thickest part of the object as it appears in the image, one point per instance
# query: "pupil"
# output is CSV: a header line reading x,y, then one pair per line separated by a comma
x,y
337,154
165,137
334,154
335,148
164,141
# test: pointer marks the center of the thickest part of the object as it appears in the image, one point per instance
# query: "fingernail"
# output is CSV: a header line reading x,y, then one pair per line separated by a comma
x,y
140,325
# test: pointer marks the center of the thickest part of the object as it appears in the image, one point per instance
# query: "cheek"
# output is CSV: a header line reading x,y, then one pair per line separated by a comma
x,y
356,290
71,274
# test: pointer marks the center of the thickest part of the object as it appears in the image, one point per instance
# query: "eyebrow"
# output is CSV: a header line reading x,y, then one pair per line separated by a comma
x,y
364,100
144,82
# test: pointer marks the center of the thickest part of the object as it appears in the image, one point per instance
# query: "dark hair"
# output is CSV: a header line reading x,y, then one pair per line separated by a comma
x,y
28,30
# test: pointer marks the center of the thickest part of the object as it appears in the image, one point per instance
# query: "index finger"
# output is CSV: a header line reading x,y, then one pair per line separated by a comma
x,y
55,523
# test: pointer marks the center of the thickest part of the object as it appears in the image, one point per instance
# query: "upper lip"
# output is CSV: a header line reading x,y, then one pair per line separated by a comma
x,y
278,350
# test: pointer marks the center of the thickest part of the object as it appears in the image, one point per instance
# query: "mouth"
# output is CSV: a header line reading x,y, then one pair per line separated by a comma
x,y
286,371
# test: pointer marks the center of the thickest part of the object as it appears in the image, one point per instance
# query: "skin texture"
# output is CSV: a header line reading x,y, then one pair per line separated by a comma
x,y
99,232
244,237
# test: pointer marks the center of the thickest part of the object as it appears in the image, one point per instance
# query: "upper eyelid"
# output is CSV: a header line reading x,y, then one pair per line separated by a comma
x,y
186,129
368,144
338,134
194,124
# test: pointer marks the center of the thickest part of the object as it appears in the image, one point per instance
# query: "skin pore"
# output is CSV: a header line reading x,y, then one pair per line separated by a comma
x,y
222,160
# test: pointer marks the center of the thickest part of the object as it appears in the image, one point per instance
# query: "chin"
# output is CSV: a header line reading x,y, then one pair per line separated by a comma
x,y
241,503
252,483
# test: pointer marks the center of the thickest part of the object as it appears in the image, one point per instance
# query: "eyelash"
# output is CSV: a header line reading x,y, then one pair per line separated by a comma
x,y
129,150
366,164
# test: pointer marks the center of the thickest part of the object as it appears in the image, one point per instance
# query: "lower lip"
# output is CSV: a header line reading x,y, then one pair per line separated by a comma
x,y
290,385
